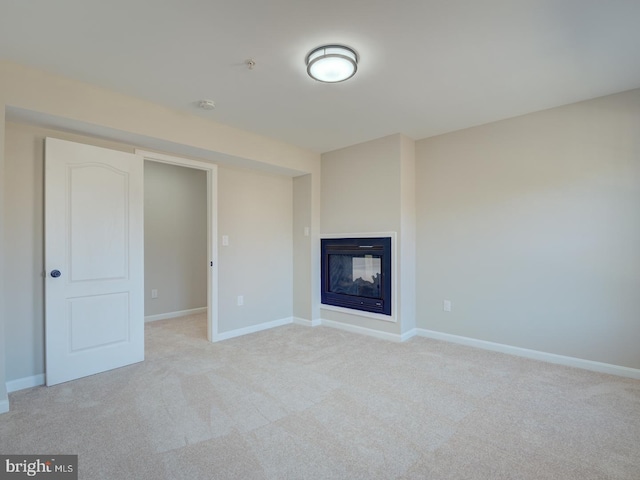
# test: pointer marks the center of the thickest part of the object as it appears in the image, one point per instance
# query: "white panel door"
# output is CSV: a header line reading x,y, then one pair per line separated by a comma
x,y
94,260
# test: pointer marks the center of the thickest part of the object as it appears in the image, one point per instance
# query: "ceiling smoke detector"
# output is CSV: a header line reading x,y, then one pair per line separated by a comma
x,y
207,104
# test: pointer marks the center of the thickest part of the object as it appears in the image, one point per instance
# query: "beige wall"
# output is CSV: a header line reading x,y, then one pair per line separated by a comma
x,y
369,188
256,213
407,247
39,91
302,219
306,249
175,238
531,227
361,188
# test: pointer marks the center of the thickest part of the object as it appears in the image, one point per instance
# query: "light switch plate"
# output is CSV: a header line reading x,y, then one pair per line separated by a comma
x,y
446,305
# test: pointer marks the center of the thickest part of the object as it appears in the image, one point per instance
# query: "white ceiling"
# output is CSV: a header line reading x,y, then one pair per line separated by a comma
x,y
427,66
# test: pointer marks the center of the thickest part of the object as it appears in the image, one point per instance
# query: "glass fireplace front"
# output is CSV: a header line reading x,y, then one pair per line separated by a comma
x,y
356,273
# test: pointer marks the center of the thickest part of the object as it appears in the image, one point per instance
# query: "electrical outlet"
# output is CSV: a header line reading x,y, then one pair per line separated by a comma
x,y
225,240
154,293
240,300
446,305
306,231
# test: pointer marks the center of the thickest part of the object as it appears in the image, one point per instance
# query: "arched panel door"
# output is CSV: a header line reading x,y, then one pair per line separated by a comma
x,y
94,260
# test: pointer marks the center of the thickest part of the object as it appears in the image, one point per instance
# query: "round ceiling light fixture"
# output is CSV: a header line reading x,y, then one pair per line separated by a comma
x,y
332,63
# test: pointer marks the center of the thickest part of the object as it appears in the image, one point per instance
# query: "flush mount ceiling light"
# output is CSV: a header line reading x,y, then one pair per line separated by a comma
x,y
332,63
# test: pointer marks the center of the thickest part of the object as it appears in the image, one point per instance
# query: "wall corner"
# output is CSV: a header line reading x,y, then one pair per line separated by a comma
x,y
407,278
4,399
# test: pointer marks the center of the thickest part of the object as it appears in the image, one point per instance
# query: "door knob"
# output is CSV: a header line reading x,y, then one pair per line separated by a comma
x,y
55,273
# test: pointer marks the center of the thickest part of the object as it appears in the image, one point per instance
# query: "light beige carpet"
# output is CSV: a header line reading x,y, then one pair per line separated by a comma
x,y
302,403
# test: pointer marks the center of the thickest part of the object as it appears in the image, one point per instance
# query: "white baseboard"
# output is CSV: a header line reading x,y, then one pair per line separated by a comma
x,y
485,345
307,323
26,382
4,405
394,337
407,335
533,354
218,337
181,313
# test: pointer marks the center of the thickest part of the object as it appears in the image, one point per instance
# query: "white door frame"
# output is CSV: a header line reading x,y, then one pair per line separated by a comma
x,y
212,227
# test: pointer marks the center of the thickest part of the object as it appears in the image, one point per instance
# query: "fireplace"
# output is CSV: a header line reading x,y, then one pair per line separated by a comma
x,y
356,273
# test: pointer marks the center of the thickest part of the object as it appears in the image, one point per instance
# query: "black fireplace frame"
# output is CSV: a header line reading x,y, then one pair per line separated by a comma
x,y
376,246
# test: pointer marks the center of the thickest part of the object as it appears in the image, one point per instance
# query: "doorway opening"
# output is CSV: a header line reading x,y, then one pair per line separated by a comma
x,y
180,239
